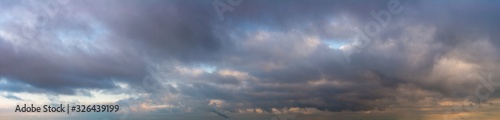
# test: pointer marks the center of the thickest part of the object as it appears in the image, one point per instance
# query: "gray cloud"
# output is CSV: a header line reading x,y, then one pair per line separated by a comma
x,y
266,54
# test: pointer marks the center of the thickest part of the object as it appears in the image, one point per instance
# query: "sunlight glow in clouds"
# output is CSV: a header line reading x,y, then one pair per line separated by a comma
x,y
267,59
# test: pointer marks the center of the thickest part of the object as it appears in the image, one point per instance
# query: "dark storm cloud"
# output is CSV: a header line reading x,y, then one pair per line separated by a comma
x,y
277,46
460,26
162,29
48,62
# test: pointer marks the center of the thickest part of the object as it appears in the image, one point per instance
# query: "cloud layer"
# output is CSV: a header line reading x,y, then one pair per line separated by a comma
x,y
176,56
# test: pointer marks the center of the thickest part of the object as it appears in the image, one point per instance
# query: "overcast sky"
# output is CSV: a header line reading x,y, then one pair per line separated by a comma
x,y
252,59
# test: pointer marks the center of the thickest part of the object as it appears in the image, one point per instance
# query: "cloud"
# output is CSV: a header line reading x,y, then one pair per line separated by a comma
x,y
264,55
10,96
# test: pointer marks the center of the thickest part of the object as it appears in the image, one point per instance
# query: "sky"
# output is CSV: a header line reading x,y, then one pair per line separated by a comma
x,y
252,59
